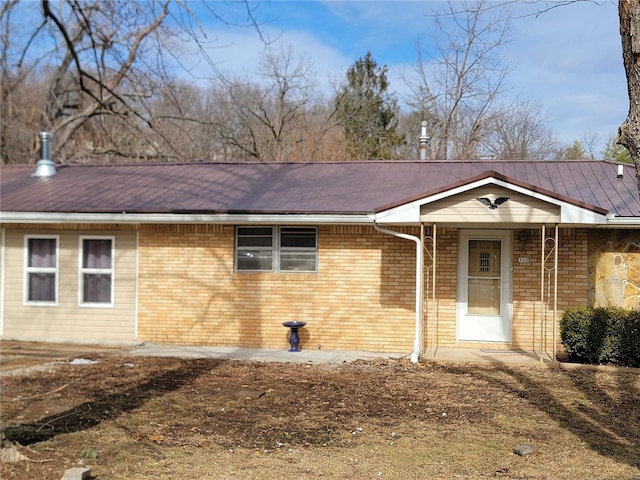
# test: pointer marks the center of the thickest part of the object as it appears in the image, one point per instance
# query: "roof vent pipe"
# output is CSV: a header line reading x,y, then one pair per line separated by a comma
x,y
45,167
423,141
620,171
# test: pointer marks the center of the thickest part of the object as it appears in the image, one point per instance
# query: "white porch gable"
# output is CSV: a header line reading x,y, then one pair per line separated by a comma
x,y
460,205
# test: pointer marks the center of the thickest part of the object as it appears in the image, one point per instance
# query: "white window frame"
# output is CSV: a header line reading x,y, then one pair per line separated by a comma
x,y
95,271
236,253
276,235
290,250
28,270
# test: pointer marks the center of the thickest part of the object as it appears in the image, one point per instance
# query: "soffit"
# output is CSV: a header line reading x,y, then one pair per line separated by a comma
x,y
490,204
457,203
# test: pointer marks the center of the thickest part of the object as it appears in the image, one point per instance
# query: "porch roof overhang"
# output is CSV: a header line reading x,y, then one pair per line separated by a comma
x,y
572,212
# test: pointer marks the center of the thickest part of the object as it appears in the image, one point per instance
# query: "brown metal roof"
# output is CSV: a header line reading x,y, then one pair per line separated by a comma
x,y
347,187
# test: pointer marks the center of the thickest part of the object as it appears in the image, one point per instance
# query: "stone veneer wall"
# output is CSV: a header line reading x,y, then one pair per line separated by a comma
x,y
614,268
361,298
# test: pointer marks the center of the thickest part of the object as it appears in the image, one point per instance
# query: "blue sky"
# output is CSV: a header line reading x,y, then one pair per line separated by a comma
x,y
569,58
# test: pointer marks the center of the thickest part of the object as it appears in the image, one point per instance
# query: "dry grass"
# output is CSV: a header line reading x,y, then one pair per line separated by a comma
x,y
142,418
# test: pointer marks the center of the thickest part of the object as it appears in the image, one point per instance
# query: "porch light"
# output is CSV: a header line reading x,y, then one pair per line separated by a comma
x,y
524,239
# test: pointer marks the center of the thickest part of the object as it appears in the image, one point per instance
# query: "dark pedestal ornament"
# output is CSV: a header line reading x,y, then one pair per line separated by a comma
x,y
294,339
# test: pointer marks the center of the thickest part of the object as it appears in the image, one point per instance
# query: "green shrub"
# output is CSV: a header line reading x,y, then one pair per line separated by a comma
x,y
601,335
627,332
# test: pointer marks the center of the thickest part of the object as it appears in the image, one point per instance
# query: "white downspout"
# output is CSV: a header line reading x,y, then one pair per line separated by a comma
x,y
417,342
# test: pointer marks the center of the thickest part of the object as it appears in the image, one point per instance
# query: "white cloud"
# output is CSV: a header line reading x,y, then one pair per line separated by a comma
x,y
240,52
570,59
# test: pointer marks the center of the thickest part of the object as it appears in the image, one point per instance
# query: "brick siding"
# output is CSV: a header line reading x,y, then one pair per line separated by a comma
x,y
361,298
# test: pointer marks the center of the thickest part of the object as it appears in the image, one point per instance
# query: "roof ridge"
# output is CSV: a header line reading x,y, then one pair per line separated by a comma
x,y
321,162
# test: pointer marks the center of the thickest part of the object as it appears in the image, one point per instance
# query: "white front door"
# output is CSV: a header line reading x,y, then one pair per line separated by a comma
x,y
484,286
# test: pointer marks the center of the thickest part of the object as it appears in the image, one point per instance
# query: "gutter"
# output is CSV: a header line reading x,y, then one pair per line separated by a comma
x,y
417,342
221,218
623,222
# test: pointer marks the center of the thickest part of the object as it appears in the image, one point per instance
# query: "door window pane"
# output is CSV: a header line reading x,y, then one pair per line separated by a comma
x,y
484,296
484,277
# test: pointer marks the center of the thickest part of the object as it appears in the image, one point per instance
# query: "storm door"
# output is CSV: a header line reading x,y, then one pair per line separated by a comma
x,y
484,286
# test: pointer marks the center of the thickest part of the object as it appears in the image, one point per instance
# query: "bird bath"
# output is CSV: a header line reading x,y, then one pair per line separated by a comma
x,y
294,339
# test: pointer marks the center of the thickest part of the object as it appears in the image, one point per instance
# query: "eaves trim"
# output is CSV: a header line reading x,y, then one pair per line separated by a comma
x,y
623,222
172,218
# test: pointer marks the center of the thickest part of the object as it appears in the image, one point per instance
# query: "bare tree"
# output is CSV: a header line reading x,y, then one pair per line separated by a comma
x,y
456,88
185,115
267,121
518,132
589,140
90,72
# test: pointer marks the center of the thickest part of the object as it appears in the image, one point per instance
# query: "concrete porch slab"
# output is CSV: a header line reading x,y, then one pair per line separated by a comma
x,y
502,357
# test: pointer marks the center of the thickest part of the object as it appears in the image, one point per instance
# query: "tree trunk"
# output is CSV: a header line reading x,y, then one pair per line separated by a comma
x,y
629,131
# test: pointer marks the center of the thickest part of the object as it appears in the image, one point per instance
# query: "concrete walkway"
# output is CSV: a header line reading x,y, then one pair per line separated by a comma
x,y
257,354
507,357
16,354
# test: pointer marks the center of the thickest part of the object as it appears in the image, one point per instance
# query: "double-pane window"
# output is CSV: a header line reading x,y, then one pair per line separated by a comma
x,y
96,271
41,269
283,249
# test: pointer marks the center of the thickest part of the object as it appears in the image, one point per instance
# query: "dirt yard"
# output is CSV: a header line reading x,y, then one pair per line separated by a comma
x,y
144,418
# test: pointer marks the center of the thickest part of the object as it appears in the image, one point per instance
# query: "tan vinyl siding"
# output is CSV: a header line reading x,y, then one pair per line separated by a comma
x,y
465,208
69,321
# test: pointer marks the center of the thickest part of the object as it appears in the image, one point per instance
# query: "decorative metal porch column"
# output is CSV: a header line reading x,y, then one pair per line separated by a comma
x,y
549,264
430,326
